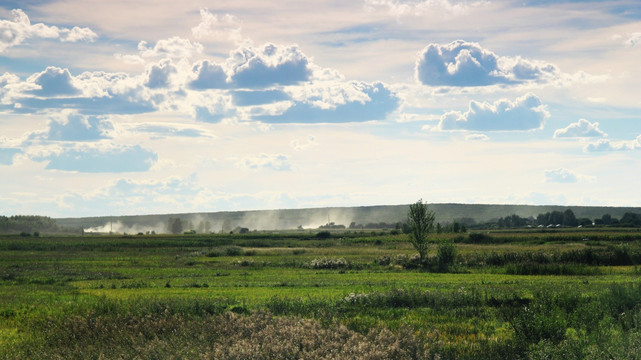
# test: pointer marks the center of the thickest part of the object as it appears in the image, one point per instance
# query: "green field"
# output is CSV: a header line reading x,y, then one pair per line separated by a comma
x,y
511,294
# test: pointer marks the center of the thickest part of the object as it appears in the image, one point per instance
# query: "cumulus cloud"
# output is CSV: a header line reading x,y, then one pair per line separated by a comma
x,y
172,48
16,31
209,75
608,145
270,65
258,97
77,34
581,128
462,63
250,67
89,93
158,75
217,26
361,102
102,160
52,82
276,162
211,106
273,84
560,176
75,127
522,114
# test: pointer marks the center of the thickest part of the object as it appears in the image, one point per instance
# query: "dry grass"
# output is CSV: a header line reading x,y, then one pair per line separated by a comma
x,y
225,336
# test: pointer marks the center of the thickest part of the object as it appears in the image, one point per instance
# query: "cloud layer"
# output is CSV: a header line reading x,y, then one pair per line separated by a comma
x,y
609,145
99,160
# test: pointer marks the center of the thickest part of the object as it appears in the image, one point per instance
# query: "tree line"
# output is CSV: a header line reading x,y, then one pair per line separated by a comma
x,y
566,218
27,224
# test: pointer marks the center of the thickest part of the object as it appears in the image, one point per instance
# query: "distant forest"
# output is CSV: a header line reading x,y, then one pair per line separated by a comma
x,y
449,218
28,225
565,219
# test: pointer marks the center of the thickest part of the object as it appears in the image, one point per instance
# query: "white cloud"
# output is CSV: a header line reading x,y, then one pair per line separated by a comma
x,y
581,128
89,93
250,67
52,82
172,48
522,114
633,40
608,145
77,34
159,75
75,127
270,65
16,31
417,8
209,75
560,176
215,26
477,137
338,103
462,63
299,145
276,162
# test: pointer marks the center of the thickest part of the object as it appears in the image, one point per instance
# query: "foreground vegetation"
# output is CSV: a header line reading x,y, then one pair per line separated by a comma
x,y
510,294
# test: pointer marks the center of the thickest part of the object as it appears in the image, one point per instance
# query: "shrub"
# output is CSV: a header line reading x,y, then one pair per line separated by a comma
x,y
214,253
324,235
244,263
480,238
327,263
233,251
446,255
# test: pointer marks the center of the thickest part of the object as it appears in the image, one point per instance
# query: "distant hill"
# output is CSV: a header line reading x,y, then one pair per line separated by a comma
x,y
312,218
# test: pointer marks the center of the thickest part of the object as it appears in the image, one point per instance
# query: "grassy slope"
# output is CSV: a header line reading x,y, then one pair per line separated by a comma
x,y
292,218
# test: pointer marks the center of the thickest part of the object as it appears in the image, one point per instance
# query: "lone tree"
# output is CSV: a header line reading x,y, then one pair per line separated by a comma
x,y
421,222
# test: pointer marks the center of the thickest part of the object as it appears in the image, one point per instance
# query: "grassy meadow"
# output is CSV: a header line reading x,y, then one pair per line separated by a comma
x,y
505,294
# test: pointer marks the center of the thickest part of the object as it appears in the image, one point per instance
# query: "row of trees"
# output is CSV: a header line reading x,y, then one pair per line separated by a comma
x,y
566,218
27,224
180,226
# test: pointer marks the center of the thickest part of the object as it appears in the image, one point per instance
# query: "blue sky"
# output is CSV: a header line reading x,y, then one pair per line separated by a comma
x,y
120,107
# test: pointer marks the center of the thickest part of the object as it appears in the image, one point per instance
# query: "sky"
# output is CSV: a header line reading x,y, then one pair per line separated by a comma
x,y
157,106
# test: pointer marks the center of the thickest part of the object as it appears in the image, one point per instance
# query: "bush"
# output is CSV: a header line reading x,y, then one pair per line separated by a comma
x,y
324,235
327,263
233,251
446,255
480,238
